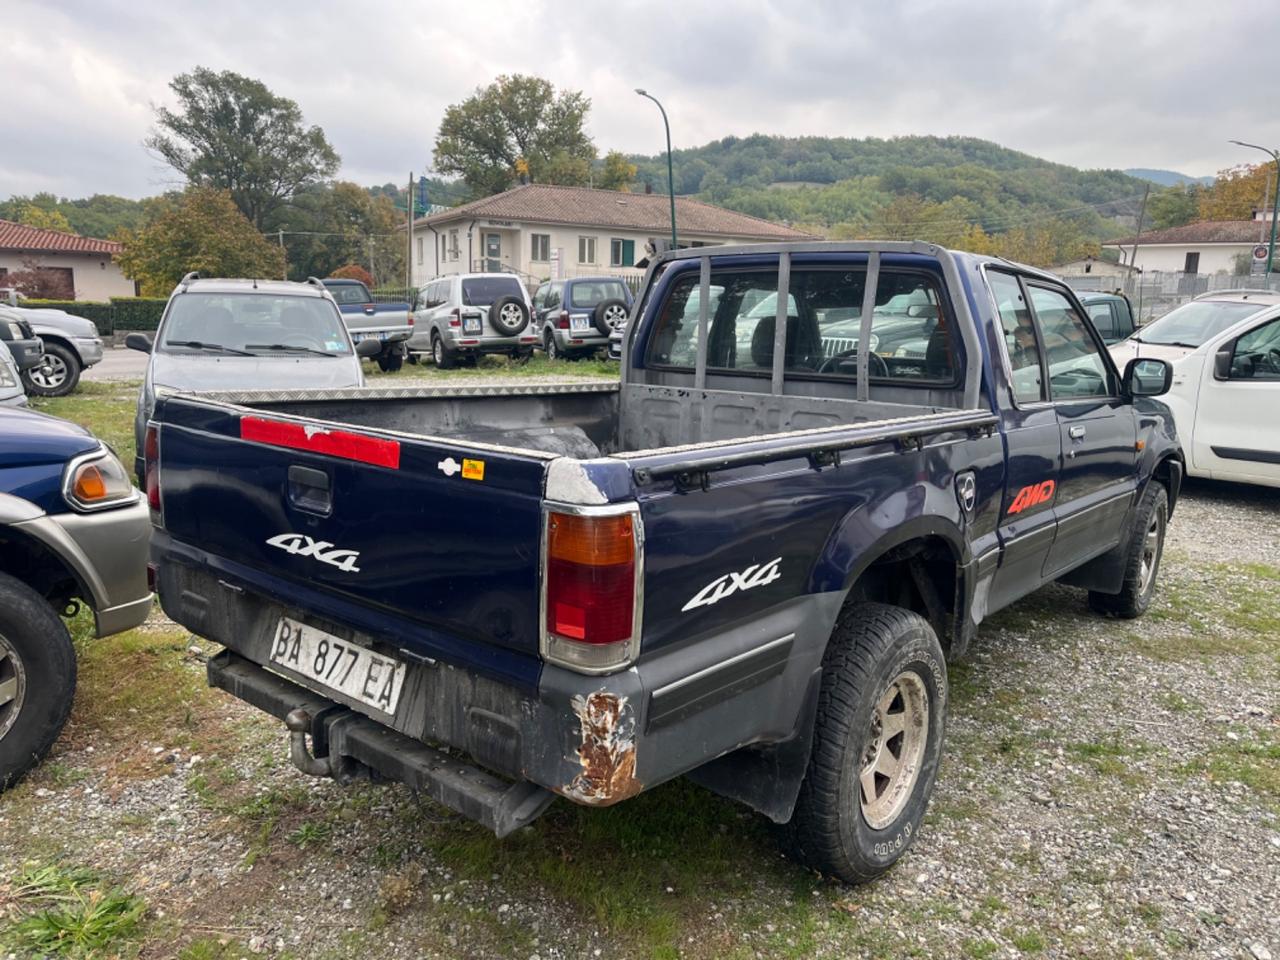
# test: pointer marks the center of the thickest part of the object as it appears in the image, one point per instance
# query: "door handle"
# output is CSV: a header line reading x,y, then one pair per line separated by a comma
x,y
1076,433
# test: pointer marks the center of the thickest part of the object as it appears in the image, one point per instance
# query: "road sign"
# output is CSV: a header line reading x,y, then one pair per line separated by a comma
x,y
1260,252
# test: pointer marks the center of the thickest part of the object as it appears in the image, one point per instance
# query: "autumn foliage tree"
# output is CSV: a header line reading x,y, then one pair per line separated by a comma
x,y
200,229
353,271
38,282
1237,192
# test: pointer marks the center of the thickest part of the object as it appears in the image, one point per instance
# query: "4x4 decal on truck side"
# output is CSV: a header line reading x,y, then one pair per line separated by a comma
x,y
300,545
756,575
1033,495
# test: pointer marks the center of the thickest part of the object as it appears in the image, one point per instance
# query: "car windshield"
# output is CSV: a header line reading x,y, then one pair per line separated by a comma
x,y
482,291
349,293
593,292
233,321
1193,323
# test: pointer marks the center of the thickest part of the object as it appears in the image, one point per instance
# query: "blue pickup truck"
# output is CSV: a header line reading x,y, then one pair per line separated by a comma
x,y
73,530
390,324
747,563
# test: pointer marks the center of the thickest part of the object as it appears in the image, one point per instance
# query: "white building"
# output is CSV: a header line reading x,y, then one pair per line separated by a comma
x,y
1208,246
86,263
545,232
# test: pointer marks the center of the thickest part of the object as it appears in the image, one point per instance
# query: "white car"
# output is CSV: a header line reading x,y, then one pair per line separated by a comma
x,y
1225,398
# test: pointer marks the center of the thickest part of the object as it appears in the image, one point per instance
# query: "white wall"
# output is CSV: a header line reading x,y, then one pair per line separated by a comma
x,y
1173,257
95,276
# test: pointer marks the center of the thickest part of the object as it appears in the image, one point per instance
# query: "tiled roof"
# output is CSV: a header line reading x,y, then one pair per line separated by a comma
x,y
1203,231
645,212
15,236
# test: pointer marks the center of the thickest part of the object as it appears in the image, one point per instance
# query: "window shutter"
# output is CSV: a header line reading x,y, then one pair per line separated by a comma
x,y
628,253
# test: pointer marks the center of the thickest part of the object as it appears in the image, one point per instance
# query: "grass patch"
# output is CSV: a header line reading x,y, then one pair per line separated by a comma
x,y
1255,763
106,408
70,912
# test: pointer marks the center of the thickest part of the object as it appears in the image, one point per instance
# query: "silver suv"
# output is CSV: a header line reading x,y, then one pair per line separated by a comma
x,y
469,314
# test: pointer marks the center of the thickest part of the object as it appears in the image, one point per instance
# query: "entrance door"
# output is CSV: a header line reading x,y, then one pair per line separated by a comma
x,y
492,252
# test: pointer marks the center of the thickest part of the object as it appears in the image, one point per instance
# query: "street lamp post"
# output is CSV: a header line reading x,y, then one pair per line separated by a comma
x,y
1275,203
671,182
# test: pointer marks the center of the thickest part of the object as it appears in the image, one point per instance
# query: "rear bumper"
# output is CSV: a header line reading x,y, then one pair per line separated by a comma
x,y
590,339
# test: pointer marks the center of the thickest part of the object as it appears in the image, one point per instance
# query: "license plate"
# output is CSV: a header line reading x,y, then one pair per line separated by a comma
x,y
471,324
579,323
369,336
336,664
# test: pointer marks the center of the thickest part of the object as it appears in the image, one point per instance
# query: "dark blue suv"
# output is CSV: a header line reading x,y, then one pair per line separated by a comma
x,y
575,317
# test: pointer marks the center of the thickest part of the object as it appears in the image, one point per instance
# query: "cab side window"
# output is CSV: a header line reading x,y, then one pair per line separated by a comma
x,y
1021,342
1104,320
1076,366
1257,354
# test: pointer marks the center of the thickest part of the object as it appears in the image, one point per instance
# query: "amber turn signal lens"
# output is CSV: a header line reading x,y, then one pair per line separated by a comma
x,y
90,486
592,541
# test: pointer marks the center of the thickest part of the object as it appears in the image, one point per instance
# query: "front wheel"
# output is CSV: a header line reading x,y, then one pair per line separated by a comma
x,y
37,678
1143,551
877,743
57,373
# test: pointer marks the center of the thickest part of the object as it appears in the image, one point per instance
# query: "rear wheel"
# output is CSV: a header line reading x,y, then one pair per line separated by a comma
x,y
443,358
391,360
549,347
1142,559
57,373
37,678
876,747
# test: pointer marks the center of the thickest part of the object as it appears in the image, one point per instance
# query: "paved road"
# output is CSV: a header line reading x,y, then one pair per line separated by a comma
x,y
118,364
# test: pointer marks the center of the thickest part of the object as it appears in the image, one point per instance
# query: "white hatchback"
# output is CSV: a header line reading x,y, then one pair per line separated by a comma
x,y
1225,351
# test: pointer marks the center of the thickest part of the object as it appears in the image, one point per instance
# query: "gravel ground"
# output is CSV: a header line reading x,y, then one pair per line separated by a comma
x,y
1110,789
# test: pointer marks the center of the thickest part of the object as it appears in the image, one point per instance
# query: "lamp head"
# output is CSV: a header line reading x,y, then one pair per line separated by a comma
x,y
640,90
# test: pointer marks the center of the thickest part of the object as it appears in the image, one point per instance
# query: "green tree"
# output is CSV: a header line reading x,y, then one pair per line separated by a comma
x,y
31,215
200,229
518,126
327,226
618,173
1174,207
232,133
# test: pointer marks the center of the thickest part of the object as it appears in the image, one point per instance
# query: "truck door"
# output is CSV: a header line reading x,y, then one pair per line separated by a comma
x,y
1237,434
1098,431
1033,446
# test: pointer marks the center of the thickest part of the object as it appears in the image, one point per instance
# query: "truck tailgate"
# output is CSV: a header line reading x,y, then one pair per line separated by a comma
x,y
441,535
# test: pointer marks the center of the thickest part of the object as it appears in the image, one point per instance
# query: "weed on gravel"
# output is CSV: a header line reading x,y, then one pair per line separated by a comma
x,y
51,910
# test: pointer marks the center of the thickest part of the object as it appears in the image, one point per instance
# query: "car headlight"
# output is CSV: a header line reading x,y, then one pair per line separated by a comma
x,y
873,342
96,481
6,376
15,330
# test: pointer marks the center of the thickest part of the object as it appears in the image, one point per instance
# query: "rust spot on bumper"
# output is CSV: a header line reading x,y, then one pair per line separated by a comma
x,y
608,750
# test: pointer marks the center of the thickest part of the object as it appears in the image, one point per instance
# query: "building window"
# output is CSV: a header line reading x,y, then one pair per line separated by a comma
x,y
1192,264
622,253
587,250
419,251
454,251
540,247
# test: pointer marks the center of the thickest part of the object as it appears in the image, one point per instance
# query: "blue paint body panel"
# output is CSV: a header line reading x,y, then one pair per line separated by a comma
x,y
34,449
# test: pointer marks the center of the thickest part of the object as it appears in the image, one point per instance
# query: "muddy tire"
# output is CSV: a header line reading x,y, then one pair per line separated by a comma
x,y
1143,551
877,743
37,678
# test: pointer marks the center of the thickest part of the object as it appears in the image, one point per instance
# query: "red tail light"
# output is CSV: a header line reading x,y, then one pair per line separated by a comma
x,y
151,473
455,317
563,322
591,614
411,318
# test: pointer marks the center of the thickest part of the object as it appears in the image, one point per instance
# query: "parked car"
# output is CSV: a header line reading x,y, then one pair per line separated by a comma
x,y
25,347
575,317
601,587
1111,313
389,324
73,529
11,392
1225,351
71,346
246,335
462,317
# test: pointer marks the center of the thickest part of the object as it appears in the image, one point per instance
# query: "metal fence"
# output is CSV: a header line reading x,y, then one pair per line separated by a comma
x,y
1155,293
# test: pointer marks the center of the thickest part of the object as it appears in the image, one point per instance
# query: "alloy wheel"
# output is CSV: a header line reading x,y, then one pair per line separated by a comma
x,y
13,686
895,745
51,373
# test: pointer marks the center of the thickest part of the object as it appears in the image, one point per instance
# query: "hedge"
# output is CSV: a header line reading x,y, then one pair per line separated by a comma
x,y
121,313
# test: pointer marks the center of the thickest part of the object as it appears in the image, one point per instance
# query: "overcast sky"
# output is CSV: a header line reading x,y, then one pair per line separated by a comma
x,y
1089,83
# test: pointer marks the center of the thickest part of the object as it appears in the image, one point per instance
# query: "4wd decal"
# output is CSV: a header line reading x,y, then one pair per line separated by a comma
x,y
756,575
1033,495
300,545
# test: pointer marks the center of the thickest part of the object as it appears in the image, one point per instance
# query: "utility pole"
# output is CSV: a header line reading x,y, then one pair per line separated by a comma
x,y
408,254
1142,215
284,275
369,246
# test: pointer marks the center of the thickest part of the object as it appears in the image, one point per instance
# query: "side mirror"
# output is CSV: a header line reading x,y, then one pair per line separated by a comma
x,y
1147,377
1222,362
138,341
368,349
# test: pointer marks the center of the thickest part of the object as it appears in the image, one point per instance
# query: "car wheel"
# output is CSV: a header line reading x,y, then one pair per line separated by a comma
x,y
37,678
608,314
442,358
412,358
550,349
390,362
876,744
56,374
1143,551
509,316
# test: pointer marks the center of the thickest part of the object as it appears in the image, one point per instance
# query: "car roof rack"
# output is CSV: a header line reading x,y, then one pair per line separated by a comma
x,y
317,282
185,281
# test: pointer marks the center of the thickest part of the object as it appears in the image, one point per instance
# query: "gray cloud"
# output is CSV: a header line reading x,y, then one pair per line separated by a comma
x,y
1084,82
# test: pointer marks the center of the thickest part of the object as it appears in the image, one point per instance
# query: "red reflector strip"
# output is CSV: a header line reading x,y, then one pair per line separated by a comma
x,y
333,443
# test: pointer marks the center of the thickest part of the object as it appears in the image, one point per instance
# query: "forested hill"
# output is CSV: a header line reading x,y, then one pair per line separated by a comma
x,y
845,185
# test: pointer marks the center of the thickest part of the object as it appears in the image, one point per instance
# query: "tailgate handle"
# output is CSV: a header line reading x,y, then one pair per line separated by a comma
x,y
309,490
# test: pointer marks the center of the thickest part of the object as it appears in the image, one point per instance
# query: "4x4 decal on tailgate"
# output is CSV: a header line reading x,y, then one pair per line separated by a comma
x,y
300,545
